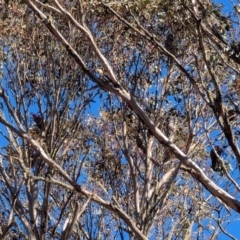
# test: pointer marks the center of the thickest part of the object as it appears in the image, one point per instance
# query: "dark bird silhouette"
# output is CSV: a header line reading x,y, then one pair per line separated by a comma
x,y
216,164
38,121
140,143
169,43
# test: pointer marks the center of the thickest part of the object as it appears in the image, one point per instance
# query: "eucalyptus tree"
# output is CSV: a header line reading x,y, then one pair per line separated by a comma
x,y
110,112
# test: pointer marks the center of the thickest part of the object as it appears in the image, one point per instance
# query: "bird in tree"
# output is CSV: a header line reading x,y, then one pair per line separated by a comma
x,y
38,121
216,164
169,43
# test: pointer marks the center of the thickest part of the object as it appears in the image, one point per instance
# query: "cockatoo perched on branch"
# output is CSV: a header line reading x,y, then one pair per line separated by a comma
x,y
216,164
38,120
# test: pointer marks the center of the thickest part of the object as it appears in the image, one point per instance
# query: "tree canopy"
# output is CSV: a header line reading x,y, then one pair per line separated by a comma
x,y
119,119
